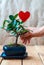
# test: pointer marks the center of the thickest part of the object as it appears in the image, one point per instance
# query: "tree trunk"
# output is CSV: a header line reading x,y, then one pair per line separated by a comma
x,y
16,39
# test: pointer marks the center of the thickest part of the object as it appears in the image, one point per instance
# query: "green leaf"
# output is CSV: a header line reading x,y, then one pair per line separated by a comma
x,y
21,22
21,27
14,23
23,31
11,17
13,33
15,16
9,27
18,21
5,23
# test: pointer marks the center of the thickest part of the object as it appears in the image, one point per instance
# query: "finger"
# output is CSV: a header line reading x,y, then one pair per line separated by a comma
x,y
21,37
29,39
25,41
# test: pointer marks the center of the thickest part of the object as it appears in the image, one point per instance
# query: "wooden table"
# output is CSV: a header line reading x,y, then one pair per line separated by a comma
x,y
35,57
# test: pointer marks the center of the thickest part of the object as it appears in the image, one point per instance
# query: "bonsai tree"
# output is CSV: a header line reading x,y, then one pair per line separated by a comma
x,y
14,25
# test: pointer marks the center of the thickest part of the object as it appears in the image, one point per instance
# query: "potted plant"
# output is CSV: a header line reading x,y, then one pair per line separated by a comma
x,y
15,27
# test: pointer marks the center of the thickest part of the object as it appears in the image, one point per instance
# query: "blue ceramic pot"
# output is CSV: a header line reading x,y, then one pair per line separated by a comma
x,y
14,50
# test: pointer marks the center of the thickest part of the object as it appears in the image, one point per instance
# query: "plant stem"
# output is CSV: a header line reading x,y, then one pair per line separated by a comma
x,y
16,39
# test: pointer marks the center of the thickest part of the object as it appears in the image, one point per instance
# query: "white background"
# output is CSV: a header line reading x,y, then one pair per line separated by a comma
x,y
36,8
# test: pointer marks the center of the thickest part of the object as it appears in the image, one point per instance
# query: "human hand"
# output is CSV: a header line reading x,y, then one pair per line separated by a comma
x,y
26,37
